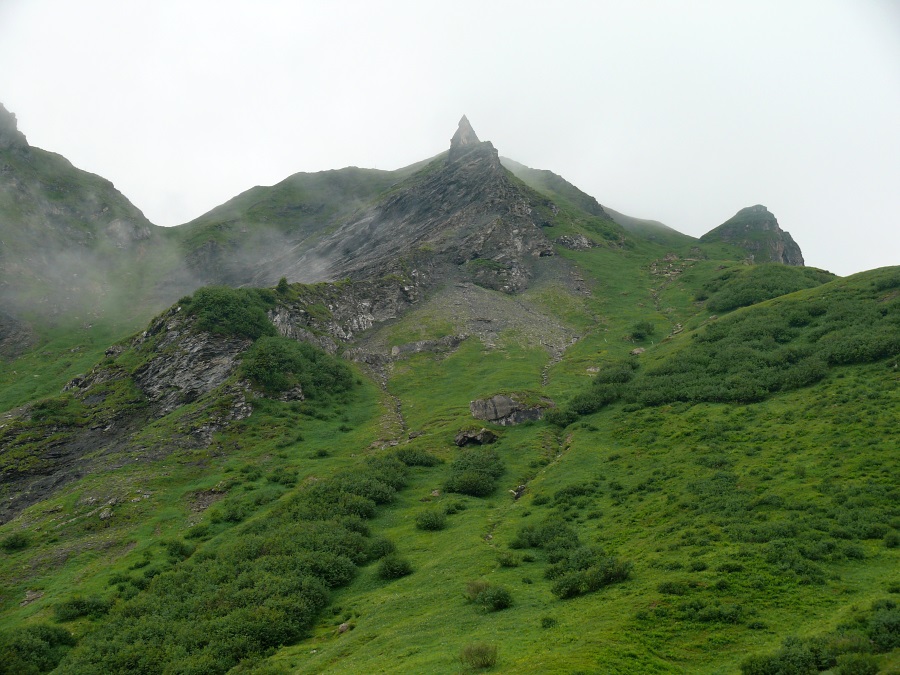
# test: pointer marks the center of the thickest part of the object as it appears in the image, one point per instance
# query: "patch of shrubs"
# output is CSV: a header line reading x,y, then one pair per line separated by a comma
x,y
575,569
747,356
261,587
848,650
508,559
232,311
744,286
33,649
606,387
417,457
277,364
475,472
79,606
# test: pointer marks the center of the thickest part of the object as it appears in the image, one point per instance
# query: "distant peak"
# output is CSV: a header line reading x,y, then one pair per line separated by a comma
x,y
463,140
10,136
758,208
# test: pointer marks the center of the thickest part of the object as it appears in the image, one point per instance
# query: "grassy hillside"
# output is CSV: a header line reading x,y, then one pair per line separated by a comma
x,y
679,536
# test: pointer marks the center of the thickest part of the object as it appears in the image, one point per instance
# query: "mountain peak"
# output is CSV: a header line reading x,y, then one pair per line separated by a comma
x,y
756,230
463,140
10,136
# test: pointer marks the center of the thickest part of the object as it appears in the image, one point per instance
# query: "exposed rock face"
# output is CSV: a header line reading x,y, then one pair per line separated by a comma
x,y
443,344
10,136
756,230
575,242
472,437
506,410
187,364
463,140
329,314
16,336
463,215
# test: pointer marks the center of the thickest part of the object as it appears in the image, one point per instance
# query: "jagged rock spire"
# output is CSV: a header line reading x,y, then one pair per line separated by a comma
x,y
463,140
10,136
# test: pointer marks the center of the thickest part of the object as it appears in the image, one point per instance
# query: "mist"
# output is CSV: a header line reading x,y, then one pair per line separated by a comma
x,y
682,114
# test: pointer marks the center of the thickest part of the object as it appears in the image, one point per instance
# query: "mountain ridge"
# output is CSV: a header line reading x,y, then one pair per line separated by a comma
x,y
291,478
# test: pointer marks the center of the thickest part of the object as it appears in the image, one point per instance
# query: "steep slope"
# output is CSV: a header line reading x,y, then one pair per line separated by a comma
x,y
226,245
278,481
696,533
71,243
461,209
650,229
756,230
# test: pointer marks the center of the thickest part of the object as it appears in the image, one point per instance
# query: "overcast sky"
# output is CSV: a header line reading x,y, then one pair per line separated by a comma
x,y
683,112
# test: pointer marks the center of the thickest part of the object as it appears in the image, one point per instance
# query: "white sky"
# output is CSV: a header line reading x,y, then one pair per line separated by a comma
x,y
683,112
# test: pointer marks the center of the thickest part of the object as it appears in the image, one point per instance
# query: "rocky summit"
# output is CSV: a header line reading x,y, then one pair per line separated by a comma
x,y
756,230
462,214
463,140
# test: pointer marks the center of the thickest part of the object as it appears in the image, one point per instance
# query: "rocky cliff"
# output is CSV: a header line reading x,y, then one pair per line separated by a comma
x,y
756,230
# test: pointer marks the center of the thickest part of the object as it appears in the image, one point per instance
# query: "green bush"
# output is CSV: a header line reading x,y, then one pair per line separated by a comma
x,y
856,664
278,364
417,457
744,286
394,567
673,588
475,472
232,311
380,547
642,330
78,606
431,520
479,655
508,559
489,597
34,649
16,541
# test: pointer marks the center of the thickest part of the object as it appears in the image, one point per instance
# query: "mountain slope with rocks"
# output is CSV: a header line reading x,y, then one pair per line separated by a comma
x,y
457,415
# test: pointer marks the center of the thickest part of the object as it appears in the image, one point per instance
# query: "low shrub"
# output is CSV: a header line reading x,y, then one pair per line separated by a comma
x,y
33,649
856,664
17,541
494,598
475,472
479,655
508,559
278,364
393,566
78,606
417,457
380,547
673,588
232,311
431,520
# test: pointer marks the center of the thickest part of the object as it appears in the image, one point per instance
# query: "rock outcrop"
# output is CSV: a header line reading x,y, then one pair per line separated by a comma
x,y
507,410
474,437
187,364
463,140
756,230
10,136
